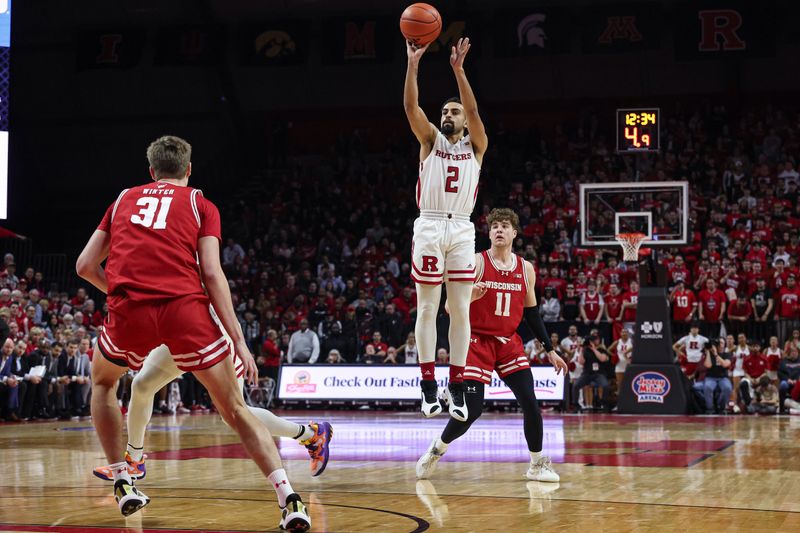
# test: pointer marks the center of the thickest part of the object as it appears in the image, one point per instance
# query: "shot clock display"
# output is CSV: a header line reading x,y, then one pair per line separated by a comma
x,y
637,130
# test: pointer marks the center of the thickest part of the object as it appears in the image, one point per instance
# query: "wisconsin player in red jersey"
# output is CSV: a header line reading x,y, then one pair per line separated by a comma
x,y
443,247
160,242
503,295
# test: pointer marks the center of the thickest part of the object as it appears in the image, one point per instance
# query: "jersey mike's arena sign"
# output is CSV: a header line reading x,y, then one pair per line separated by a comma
x,y
390,382
650,387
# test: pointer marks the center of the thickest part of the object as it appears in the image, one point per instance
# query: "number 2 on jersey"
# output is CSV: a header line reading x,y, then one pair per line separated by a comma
x,y
148,211
451,180
501,309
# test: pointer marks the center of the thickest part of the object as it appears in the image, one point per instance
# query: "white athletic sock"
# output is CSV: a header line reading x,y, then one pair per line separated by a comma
x,y
135,453
281,485
458,299
305,433
280,427
441,446
120,471
428,297
535,456
158,371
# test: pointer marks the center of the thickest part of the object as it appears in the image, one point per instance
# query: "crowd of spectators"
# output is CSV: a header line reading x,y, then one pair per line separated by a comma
x,y
318,261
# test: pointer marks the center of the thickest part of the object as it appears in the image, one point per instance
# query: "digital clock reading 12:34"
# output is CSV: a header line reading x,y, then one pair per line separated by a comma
x,y
637,130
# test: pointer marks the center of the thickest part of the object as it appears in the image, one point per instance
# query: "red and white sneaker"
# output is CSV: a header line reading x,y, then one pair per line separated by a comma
x,y
136,469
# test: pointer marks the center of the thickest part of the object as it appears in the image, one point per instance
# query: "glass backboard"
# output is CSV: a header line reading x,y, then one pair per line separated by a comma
x,y
659,209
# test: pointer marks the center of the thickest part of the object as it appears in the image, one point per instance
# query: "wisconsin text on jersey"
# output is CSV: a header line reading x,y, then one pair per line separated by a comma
x,y
503,286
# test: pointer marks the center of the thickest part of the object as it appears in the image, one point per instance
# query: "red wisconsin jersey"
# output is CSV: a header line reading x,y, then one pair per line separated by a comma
x,y
499,312
154,232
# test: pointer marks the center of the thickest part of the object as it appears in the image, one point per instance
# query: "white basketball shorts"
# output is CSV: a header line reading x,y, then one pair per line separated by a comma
x,y
443,248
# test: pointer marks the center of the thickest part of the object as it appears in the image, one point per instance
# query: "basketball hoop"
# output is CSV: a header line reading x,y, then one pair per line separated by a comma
x,y
630,243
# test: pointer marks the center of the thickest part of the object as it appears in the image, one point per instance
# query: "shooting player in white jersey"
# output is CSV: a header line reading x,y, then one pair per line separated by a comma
x,y
443,248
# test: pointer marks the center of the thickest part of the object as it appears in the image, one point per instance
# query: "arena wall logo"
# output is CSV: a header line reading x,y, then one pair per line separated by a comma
x,y
302,383
529,32
650,387
652,330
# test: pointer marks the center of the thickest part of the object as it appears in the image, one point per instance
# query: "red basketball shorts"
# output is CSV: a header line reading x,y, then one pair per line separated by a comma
x,y
487,353
132,329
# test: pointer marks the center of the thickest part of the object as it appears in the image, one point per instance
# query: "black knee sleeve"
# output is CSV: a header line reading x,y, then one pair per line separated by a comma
x,y
473,393
521,384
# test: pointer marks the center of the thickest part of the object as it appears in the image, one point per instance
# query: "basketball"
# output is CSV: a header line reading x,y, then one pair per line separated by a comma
x,y
420,23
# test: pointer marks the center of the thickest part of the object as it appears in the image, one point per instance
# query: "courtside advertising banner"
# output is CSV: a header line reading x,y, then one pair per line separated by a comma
x,y
379,382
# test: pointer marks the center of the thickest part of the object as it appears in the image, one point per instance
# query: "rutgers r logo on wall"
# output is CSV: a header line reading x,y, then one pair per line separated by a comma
x,y
719,30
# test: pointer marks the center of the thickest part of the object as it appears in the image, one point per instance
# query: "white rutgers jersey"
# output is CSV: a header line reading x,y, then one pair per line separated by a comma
x,y
448,177
693,347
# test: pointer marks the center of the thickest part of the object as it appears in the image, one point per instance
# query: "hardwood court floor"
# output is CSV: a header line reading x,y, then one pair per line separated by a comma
x,y
618,473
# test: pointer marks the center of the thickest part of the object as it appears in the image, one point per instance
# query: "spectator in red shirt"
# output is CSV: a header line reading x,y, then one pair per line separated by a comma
x,y
612,272
788,308
591,305
678,271
556,281
378,346
711,309
684,305
270,359
739,313
629,304
78,300
758,252
613,309
778,276
406,304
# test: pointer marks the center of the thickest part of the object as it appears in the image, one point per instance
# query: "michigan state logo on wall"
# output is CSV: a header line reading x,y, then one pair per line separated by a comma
x,y
650,387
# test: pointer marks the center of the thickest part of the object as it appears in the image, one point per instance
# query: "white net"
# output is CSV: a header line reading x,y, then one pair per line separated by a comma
x,y
630,243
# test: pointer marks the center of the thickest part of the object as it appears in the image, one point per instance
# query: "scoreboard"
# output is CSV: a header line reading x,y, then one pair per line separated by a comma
x,y
638,130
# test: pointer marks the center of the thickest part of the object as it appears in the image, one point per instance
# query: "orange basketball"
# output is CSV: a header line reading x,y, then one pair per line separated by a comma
x,y
420,23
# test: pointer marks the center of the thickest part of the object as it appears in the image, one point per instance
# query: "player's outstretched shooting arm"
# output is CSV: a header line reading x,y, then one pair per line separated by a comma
x,y
477,131
423,129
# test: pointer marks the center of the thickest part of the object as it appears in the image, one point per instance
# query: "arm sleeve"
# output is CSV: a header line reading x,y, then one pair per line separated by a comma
x,y
535,322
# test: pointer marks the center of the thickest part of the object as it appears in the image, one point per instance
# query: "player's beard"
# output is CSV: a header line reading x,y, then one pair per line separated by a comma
x,y
448,128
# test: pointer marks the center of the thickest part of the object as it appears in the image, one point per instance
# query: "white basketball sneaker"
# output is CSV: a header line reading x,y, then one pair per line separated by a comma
x,y
426,464
431,406
542,470
791,404
454,396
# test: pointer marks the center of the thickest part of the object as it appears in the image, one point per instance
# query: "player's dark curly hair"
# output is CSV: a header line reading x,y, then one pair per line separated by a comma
x,y
503,214
455,99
